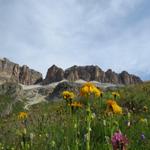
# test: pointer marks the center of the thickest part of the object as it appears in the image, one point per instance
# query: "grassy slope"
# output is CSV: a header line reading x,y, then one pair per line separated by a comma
x,y
52,126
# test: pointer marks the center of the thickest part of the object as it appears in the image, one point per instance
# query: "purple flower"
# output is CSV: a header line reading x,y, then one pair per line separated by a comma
x,y
117,137
143,136
118,140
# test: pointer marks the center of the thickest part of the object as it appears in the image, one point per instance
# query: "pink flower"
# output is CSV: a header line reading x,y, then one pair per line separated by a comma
x,y
119,141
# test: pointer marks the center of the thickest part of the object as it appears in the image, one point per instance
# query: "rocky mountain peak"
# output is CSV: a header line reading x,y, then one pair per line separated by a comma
x,y
10,71
54,74
89,73
54,66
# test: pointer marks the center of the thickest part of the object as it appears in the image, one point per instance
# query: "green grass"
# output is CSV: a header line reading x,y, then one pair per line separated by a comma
x,y
51,126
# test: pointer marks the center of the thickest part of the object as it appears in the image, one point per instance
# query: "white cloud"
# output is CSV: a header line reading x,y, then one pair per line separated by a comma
x,y
67,32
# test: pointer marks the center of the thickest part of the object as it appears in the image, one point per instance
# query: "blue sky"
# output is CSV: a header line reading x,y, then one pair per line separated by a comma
x,y
110,33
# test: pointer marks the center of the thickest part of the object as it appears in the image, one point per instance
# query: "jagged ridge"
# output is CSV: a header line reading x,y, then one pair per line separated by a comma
x,y
89,73
10,71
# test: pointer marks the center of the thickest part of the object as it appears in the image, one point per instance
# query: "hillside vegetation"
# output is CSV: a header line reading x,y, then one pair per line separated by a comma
x,y
98,120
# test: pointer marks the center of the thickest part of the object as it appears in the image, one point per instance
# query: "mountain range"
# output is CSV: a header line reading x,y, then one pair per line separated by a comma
x,y
10,71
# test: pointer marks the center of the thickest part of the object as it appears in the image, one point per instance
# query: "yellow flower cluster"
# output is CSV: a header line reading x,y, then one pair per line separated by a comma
x,y
90,89
114,107
22,115
115,94
76,104
67,95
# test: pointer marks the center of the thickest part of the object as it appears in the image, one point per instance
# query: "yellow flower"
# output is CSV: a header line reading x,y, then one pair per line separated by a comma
x,y
22,115
117,109
111,102
89,89
114,107
96,92
115,94
67,95
75,104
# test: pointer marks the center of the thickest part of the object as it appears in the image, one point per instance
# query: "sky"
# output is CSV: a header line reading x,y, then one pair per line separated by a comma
x,y
109,33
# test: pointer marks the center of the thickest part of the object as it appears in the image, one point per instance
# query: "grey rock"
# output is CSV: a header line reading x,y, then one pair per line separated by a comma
x,y
10,71
76,86
12,89
127,78
111,77
89,73
14,93
54,74
63,86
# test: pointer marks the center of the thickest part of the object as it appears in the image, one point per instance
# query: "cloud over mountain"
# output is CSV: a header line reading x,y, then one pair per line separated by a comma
x,y
111,34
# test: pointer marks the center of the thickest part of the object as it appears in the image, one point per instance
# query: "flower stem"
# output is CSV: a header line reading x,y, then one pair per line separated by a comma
x,y
88,127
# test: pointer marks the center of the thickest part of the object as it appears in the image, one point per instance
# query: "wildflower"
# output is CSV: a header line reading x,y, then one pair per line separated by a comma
x,y
75,104
119,141
114,107
67,95
111,102
96,92
143,136
90,89
22,115
115,94
117,109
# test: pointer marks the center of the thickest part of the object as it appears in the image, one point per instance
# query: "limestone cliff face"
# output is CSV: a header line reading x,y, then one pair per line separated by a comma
x,y
127,78
10,71
112,77
54,74
89,73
